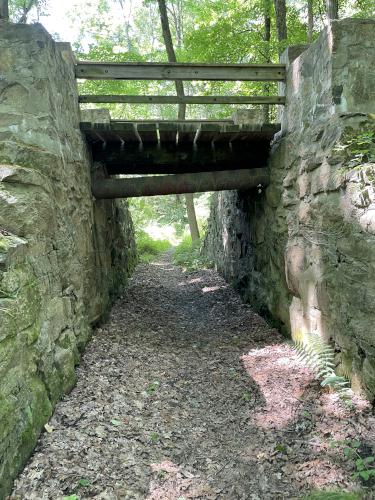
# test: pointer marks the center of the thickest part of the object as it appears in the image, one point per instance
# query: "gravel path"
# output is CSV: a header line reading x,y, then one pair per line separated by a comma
x,y
187,393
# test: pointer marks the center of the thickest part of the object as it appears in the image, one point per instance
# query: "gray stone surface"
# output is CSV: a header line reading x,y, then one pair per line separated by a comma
x,y
63,256
309,262
253,116
96,115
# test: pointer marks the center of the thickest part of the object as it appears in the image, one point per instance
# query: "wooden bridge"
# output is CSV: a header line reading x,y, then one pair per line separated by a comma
x,y
187,156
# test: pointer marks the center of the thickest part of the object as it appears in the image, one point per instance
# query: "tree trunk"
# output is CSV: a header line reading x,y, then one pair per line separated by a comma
x,y
332,9
26,9
192,218
310,20
4,10
189,198
169,42
282,32
267,39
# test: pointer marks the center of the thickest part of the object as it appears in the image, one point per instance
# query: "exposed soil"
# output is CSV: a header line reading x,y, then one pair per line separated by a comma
x,y
187,393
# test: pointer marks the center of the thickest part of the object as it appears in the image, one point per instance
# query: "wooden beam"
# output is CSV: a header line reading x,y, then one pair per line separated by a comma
x,y
179,183
169,158
172,99
177,71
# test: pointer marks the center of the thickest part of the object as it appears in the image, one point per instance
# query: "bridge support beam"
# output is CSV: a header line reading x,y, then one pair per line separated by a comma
x,y
180,183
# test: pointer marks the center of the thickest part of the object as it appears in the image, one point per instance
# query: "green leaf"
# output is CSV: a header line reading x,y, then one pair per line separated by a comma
x,y
246,396
154,437
71,497
280,447
360,464
150,389
115,422
364,475
84,482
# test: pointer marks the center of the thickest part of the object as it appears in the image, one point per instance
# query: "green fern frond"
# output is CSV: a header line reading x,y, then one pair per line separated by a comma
x,y
320,358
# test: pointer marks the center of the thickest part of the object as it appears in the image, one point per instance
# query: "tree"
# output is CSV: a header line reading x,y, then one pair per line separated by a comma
x,y
310,20
189,198
332,9
20,10
127,22
281,28
4,10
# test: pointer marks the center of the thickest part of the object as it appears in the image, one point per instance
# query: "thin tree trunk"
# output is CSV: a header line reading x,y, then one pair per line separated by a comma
x,y
127,24
189,198
192,218
310,20
26,10
332,9
281,28
4,10
267,39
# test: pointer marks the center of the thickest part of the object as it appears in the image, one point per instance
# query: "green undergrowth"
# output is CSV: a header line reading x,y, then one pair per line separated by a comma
x,y
189,255
319,356
149,248
333,495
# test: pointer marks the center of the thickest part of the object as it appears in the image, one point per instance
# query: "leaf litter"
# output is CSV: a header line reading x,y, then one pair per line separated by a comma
x,y
186,393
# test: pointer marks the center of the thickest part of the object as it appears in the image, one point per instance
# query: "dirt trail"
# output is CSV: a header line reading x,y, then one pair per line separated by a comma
x,y
187,393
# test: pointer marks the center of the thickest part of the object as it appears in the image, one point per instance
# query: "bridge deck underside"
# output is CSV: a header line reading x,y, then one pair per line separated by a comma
x,y
175,147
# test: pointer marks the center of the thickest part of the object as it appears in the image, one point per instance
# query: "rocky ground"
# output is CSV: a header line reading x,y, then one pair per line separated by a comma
x,y
186,393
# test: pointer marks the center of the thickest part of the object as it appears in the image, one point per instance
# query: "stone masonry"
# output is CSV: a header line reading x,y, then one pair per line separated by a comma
x,y
63,256
303,250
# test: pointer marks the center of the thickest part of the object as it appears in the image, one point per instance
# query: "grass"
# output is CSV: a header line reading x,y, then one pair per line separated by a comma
x,y
148,248
333,495
189,255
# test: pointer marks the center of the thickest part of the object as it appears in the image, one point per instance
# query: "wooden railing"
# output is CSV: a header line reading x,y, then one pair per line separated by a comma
x,y
177,71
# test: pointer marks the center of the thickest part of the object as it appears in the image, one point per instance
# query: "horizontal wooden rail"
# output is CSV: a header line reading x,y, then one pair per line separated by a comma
x,y
179,183
171,99
176,71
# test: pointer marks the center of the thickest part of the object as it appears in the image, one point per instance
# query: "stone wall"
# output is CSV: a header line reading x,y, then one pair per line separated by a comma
x,y
63,255
303,251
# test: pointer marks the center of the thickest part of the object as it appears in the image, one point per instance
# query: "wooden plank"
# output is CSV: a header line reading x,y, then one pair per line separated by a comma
x,y
172,158
188,126
180,183
148,132
167,131
172,99
196,121
177,71
209,131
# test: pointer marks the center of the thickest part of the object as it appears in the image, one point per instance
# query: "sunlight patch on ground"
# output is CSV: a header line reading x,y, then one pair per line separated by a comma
x,y
171,482
161,264
320,473
281,380
208,289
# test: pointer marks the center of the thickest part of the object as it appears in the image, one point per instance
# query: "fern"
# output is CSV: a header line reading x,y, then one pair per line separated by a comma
x,y
320,358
